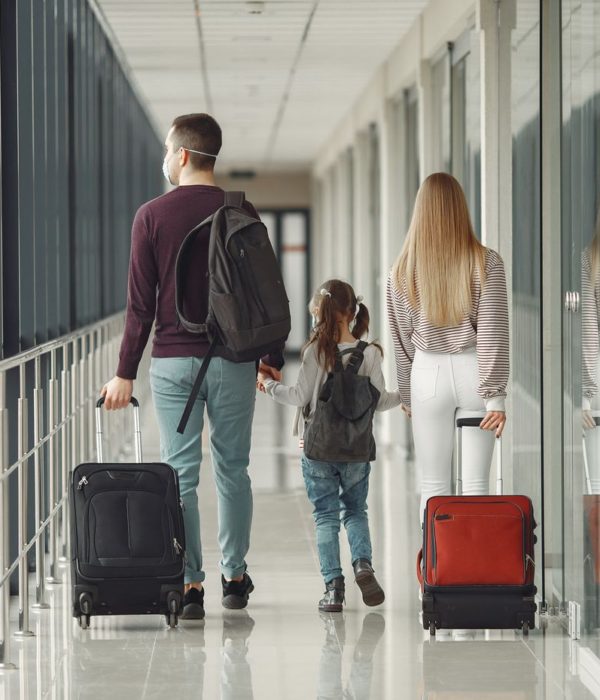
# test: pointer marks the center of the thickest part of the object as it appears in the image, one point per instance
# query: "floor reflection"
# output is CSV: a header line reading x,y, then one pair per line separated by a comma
x,y
358,684
236,675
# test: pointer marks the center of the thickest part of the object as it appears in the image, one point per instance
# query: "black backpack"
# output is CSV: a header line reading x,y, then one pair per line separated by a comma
x,y
341,429
248,309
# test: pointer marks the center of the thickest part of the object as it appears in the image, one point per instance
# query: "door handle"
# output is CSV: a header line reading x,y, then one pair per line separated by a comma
x,y
572,301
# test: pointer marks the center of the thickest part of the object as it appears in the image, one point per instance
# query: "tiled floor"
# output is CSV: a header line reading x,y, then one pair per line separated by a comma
x,y
281,648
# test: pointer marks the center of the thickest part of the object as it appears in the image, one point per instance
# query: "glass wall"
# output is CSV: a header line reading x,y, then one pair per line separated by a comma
x,y
79,155
456,113
526,339
580,171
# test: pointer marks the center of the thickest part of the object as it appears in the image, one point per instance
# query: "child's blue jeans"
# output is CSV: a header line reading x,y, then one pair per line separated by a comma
x,y
338,492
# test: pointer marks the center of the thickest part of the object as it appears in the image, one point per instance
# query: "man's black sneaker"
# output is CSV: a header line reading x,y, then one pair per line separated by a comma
x,y
236,593
193,605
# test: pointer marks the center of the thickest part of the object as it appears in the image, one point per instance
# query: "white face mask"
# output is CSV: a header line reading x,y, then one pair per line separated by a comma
x,y
165,169
165,165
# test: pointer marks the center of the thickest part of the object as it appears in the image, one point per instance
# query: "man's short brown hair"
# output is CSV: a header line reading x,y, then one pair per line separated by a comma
x,y
199,132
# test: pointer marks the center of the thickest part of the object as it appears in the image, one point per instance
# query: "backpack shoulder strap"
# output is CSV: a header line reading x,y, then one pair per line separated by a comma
x,y
356,358
235,199
180,273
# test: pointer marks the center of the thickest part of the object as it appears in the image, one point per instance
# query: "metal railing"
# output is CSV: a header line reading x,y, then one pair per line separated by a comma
x,y
49,391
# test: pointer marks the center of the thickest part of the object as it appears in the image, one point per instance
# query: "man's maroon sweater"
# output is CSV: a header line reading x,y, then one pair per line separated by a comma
x,y
158,231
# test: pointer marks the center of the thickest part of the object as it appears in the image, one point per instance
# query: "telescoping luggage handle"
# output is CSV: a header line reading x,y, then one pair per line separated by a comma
x,y
136,429
586,465
474,422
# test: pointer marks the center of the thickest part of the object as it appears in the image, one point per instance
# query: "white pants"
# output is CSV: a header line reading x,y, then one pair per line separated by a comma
x,y
442,383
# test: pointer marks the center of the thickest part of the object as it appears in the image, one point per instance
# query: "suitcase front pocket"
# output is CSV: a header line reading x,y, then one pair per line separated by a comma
x,y
129,529
479,544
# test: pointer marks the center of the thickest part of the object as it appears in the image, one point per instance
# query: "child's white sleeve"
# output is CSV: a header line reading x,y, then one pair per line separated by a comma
x,y
387,399
301,393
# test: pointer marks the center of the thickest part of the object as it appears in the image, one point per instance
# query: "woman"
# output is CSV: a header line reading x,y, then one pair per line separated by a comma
x,y
448,312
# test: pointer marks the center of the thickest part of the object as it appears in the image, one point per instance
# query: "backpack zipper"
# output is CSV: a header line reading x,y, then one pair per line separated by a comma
x,y
82,482
250,282
178,548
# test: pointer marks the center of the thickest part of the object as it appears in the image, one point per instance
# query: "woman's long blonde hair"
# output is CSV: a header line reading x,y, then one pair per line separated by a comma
x,y
440,253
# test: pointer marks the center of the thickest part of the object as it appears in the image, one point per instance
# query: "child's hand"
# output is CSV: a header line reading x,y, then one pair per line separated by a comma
x,y
260,381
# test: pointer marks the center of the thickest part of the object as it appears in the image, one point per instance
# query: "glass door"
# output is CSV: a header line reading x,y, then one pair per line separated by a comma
x,y
581,264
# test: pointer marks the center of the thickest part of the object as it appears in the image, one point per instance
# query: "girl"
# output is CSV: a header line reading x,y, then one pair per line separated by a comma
x,y
336,489
448,313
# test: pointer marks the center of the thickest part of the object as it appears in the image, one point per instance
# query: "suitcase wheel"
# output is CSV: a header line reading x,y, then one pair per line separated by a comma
x,y
85,605
173,602
432,629
525,629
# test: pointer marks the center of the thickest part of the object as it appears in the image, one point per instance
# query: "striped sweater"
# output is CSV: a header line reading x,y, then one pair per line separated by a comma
x,y
485,328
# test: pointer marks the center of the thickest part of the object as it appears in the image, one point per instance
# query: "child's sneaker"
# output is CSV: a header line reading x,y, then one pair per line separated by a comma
x,y
333,600
372,592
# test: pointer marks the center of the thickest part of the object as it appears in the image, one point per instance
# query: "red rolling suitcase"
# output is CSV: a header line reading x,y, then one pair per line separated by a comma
x,y
476,567
591,544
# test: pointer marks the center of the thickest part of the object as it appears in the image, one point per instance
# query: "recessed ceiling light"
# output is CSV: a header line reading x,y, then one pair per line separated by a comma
x,y
255,7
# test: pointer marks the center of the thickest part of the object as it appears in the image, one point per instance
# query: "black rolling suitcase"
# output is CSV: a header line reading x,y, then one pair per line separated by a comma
x,y
476,568
127,537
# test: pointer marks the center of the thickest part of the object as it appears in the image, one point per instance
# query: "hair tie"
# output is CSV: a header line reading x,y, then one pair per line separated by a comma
x,y
324,293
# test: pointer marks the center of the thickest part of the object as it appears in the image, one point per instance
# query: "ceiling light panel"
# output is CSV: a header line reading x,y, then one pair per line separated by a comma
x,y
250,49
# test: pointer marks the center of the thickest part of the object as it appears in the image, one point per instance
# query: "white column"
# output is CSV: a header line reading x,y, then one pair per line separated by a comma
x,y
426,119
495,20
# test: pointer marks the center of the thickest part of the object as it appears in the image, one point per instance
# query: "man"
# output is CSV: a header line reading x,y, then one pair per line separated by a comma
x,y
228,390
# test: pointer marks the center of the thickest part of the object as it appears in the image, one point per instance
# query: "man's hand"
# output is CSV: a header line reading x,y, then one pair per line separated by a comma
x,y
494,420
588,419
117,393
270,371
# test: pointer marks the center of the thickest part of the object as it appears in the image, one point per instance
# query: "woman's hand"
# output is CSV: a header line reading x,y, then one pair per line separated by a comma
x,y
406,410
494,420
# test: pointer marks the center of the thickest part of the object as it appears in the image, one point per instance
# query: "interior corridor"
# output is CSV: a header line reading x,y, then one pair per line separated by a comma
x,y
281,647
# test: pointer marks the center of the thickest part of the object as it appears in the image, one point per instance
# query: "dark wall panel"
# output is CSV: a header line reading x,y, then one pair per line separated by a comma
x,y
79,155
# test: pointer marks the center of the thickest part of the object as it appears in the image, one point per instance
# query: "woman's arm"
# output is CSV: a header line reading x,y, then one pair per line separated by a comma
x,y
492,338
404,350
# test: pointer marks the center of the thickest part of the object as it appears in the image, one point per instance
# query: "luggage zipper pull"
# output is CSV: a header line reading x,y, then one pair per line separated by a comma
x,y
178,547
527,560
182,504
242,253
82,482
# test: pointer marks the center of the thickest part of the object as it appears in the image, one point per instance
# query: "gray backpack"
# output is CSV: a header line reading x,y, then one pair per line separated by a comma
x,y
341,429
248,309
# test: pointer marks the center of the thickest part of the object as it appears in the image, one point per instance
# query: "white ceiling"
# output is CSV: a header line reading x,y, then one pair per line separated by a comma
x,y
281,73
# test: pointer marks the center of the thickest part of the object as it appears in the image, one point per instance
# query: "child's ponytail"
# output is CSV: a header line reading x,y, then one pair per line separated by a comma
x,y
361,320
